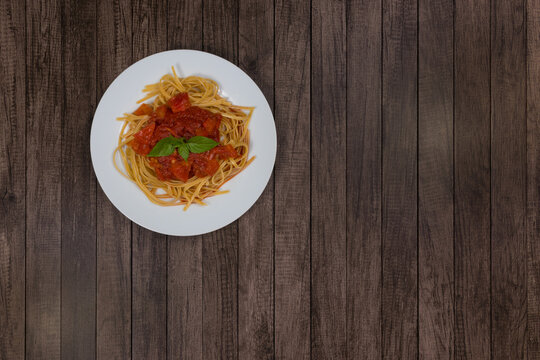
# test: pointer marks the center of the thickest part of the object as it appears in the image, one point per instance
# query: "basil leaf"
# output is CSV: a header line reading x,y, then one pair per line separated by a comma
x,y
199,144
183,151
196,144
165,147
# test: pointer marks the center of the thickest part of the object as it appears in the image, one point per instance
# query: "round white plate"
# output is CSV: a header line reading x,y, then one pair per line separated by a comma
x,y
245,188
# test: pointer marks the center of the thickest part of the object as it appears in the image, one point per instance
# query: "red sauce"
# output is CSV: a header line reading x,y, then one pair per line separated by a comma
x,y
179,119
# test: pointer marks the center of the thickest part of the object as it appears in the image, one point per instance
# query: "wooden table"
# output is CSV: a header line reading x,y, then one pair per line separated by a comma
x,y
402,219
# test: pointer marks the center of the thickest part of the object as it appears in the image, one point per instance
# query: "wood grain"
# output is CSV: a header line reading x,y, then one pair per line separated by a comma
x,y
12,179
533,179
472,179
220,284
255,236
508,180
113,317
220,28
292,168
149,295
328,181
78,312
184,268
184,298
114,282
149,249
399,180
184,24
364,146
44,100
435,180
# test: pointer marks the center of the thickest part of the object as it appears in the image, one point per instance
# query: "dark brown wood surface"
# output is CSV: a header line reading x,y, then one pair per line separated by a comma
x,y
533,180
472,204
364,139
44,102
12,179
402,219
78,303
435,180
328,158
508,180
292,174
399,179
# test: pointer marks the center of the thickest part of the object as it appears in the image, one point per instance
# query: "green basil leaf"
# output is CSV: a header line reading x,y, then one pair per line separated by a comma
x,y
165,146
199,144
183,151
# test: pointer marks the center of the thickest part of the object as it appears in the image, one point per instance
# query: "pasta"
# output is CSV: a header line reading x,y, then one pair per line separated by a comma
x,y
233,130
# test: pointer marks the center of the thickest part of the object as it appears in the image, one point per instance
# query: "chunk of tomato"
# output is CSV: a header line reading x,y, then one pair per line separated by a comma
x,y
162,167
161,112
223,152
211,125
201,132
161,132
211,167
145,134
179,102
203,166
144,109
181,169
139,148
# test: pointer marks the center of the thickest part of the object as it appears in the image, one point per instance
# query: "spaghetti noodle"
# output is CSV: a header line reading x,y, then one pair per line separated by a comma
x,y
233,138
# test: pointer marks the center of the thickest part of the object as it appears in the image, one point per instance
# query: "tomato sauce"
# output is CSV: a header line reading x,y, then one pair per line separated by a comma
x,y
179,119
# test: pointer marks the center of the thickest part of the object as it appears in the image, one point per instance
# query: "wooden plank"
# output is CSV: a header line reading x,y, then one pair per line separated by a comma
x,y
113,282
220,294
149,295
364,145
43,186
256,227
508,180
533,179
44,96
220,248
184,272
149,22
12,179
328,181
78,301
472,179
292,190
435,180
184,24
113,229
220,28
399,194
149,249
184,298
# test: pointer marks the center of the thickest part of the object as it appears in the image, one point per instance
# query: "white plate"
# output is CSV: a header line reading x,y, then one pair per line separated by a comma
x,y
245,188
